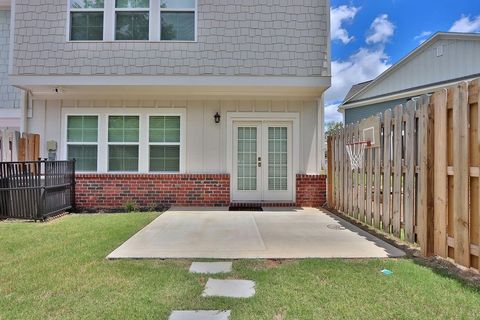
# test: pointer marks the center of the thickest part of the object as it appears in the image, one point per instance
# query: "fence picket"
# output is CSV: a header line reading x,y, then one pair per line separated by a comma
x,y
461,175
397,170
387,145
410,163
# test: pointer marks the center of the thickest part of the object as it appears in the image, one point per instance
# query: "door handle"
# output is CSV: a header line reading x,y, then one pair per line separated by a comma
x,y
259,162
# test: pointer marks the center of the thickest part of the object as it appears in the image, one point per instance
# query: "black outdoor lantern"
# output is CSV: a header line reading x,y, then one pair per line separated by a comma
x,y
217,117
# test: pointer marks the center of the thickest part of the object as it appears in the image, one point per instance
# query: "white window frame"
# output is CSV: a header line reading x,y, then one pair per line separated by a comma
x,y
69,18
103,114
164,143
107,118
109,21
67,143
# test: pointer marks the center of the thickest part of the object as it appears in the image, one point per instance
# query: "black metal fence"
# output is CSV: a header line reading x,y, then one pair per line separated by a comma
x,y
36,190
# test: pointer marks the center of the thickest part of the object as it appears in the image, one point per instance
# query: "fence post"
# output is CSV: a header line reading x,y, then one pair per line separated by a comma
x,y
72,190
329,172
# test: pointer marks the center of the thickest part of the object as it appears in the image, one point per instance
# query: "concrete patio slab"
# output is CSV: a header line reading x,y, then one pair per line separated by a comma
x,y
200,315
279,233
211,267
229,288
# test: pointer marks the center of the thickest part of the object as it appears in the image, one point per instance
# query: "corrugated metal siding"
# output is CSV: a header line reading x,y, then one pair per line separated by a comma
x,y
9,96
357,114
460,58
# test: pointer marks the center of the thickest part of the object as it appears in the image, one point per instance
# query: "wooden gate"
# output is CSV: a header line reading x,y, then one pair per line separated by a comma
x,y
423,183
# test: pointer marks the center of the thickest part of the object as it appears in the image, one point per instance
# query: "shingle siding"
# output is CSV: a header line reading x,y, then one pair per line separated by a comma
x,y
250,37
9,96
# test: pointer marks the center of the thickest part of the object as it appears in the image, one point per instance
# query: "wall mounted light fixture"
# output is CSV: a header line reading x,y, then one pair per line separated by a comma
x,y
217,117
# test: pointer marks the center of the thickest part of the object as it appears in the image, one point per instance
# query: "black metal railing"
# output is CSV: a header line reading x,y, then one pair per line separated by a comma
x,y
36,190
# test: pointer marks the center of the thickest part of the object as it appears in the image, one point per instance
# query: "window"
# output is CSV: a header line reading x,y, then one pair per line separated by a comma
x,y
177,20
164,140
123,143
132,19
125,20
86,19
82,139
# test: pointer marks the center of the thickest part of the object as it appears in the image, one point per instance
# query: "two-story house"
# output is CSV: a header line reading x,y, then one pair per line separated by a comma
x,y
178,102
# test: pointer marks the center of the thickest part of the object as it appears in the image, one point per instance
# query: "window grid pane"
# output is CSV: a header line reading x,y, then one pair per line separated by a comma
x,y
87,4
164,129
247,158
177,4
123,158
85,156
176,25
277,159
86,26
132,26
82,129
132,4
123,129
164,158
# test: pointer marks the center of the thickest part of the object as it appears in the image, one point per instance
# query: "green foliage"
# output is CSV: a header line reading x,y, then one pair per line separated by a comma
x,y
130,206
333,126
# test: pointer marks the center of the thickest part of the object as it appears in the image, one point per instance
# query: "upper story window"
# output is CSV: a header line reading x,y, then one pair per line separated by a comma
x,y
86,19
177,20
132,19
124,20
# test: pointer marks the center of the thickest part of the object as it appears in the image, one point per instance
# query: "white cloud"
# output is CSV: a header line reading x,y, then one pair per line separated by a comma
x,y
380,30
363,65
422,35
338,16
331,113
466,24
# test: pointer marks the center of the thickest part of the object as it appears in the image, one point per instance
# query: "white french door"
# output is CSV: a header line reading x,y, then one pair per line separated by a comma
x,y
262,161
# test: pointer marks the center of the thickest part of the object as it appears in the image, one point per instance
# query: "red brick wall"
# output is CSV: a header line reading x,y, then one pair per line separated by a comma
x,y
311,190
111,192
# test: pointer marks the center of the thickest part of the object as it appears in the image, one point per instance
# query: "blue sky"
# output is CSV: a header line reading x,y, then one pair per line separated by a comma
x,y
368,36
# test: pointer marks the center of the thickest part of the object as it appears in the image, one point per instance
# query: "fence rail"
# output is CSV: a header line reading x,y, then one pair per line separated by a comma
x,y
422,184
36,189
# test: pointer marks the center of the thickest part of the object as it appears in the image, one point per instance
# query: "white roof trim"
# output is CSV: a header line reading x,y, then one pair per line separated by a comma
x,y
400,95
437,36
181,81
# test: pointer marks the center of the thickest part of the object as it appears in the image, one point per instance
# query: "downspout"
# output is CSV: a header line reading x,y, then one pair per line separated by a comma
x,y
320,136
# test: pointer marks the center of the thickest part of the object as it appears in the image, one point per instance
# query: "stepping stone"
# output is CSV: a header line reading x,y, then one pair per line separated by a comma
x,y
211,267
200,315
229,288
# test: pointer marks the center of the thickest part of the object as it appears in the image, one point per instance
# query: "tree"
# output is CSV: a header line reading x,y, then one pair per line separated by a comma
x,y
333,126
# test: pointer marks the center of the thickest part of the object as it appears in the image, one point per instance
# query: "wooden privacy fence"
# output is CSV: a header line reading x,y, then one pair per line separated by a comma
x,y
19,147
422,184
36,189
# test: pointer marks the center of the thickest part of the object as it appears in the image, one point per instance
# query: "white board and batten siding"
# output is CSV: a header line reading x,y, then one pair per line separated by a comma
x,y
205,141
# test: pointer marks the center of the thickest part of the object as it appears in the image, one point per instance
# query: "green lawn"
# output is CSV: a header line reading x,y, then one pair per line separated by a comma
x,y
58,270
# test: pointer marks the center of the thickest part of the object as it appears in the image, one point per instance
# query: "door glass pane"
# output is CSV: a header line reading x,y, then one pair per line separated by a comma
x,y
247,158
277,158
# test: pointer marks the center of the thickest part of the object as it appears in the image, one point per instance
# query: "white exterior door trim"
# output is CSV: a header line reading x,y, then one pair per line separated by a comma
x,y
293,117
